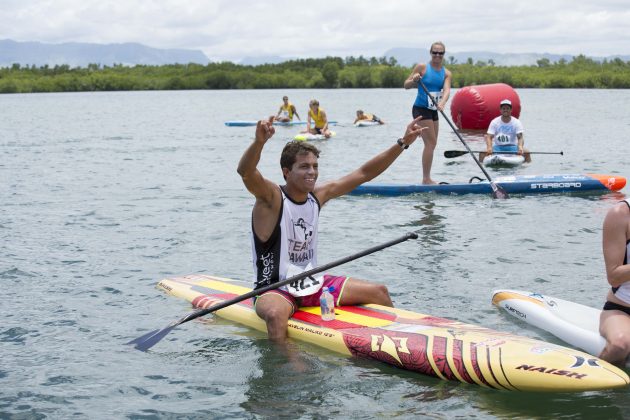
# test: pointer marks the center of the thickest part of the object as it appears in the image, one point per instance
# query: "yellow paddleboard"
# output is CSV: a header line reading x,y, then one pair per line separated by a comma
x,y
421,343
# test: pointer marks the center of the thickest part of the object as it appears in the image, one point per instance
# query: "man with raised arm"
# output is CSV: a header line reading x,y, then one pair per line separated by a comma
x,y
284,226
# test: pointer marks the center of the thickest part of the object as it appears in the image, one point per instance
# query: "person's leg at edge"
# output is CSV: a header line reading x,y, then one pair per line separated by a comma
x,y
356,292
275,310
615,328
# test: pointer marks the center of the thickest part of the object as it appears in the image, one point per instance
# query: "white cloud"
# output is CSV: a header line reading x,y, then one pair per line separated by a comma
x,y
230,30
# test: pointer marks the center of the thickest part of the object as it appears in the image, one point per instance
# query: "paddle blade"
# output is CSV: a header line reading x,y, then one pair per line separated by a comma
x,y
151,340
142,338
498,192
454,153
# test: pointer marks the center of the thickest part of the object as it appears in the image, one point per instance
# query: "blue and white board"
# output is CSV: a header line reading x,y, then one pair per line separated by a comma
x,y
519,184
573,323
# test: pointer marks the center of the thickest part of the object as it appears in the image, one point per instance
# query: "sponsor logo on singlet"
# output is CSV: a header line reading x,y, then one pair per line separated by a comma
x,y
300,246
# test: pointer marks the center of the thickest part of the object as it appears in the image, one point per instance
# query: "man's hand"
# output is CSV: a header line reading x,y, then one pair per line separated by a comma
x,y
265,130
413,131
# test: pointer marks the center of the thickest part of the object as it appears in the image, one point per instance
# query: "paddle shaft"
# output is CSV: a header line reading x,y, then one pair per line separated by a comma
x,y
495,188
300,276
148,340
455,130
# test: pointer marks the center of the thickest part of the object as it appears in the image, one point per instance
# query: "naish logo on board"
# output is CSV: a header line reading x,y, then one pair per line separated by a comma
x,y
552,371
165,286
390,345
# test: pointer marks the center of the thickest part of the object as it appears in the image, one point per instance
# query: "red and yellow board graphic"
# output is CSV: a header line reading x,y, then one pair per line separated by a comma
x,y
429,345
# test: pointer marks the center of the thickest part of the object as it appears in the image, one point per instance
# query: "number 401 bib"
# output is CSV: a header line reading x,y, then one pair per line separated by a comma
x,y
303,287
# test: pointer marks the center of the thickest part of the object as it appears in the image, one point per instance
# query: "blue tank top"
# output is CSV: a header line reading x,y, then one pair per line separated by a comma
x,y
434,81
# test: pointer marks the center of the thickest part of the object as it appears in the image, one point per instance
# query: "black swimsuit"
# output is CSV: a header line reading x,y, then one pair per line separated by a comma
x,y
611,306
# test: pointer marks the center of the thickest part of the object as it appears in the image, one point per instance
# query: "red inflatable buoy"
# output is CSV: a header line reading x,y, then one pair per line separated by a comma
x,y
473,107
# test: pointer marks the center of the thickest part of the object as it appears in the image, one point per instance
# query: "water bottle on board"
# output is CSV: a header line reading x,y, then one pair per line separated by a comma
x,y
327,304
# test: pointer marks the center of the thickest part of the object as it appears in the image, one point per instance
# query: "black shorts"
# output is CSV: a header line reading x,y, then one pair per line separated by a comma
x,y
611,306
318,130
426,113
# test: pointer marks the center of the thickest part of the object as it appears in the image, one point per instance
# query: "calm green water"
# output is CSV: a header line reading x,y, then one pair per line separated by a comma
x,y
104,194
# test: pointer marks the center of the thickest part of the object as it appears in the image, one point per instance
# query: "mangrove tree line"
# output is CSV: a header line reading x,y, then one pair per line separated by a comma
x,y
329,72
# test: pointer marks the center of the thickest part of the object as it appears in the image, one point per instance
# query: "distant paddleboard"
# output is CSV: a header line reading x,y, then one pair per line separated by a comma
x,y
365,123
311,137
503,160
519,184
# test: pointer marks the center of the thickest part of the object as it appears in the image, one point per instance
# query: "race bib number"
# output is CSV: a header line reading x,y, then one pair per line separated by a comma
x,y
303,287
438,97
502,139
284,114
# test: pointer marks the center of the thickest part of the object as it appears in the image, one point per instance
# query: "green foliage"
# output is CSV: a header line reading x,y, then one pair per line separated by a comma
x,y
329,72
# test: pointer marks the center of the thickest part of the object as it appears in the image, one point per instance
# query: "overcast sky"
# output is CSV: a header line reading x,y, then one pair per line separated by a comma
x,y
233,29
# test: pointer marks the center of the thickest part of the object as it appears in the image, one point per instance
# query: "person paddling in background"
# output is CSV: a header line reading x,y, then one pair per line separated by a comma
x,y
614,323
368,117
505,134
285,221
437,79
286,111
318,118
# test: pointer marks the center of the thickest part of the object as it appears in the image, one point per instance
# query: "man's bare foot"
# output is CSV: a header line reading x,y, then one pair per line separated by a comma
x,y
428,182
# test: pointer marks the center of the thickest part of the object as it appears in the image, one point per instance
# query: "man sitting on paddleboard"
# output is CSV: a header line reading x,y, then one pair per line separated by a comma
x,y
368,117
505,134
614,323
319,118
286,111
284,226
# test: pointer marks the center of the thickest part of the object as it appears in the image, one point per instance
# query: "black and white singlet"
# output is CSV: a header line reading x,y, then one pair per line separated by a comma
x,y
293,241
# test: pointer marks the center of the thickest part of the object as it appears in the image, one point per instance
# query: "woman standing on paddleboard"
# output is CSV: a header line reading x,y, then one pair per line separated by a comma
x,y
615,319
437,79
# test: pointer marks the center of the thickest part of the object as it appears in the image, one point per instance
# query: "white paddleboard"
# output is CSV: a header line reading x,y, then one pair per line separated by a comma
x,y
573,323
311,137
499,159
365,123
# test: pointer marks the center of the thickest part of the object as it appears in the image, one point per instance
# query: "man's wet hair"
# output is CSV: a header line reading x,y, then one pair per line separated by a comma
x,y
294,148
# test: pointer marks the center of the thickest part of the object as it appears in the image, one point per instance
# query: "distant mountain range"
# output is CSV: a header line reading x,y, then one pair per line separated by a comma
x,y
77,54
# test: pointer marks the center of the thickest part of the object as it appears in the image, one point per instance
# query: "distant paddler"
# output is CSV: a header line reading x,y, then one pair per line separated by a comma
x,y
317,122
286,111
505,134
364,116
